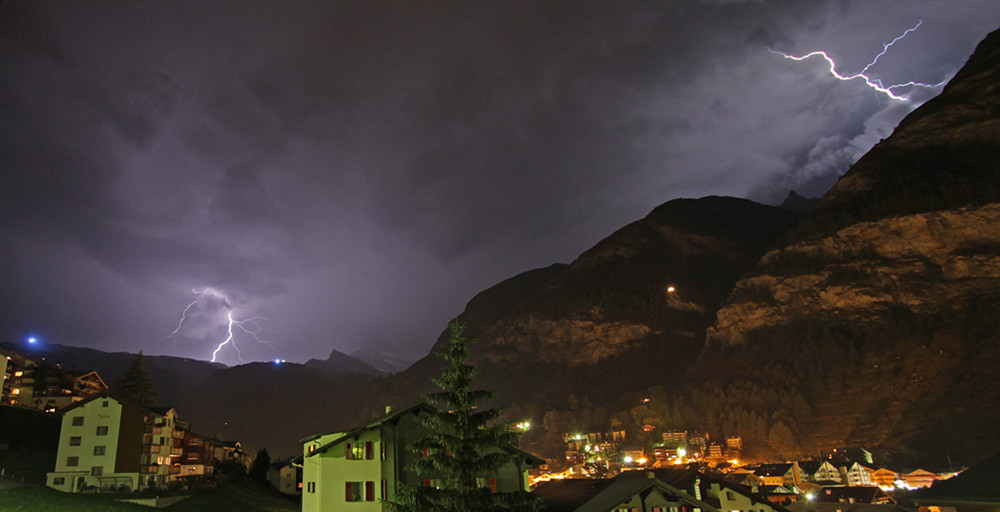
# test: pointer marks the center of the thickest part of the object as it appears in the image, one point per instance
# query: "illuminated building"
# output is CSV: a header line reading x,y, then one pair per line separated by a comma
x,y
356,469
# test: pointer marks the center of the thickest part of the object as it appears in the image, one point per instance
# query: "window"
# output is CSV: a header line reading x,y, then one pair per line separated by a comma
x,y
381,447
58,480
74,441
77,421
104,403
102,430
385,489
355,491
311,487
97,471
369,453
729,495
360,491
72,461
99,450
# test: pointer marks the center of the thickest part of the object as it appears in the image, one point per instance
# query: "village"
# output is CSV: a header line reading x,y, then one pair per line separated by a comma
x,y
109,443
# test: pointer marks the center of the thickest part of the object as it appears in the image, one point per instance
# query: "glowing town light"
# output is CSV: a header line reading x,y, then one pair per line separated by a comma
x,y
628,459
32,339
874,83
681,452
671,289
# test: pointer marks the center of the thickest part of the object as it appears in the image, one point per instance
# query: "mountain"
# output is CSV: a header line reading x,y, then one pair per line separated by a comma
x,y
339,362
882,309
628,314
798,203
386,360
273,405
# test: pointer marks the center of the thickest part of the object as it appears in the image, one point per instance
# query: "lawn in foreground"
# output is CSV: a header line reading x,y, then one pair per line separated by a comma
x,y
236,496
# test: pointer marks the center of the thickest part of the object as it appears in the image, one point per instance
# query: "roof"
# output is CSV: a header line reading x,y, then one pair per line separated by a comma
x,y
859,494
684,479
773,469
114,396
570,494
373,424
416,408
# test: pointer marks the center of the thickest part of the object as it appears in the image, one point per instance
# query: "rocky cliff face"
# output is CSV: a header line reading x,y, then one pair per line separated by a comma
x,y
637,304
889,294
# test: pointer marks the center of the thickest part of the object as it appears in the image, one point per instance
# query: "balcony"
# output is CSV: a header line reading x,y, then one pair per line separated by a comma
x,y
152,429
176,452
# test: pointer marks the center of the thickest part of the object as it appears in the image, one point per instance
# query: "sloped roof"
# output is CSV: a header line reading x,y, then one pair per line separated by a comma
x,y
116,397
773,469
842,493
416,408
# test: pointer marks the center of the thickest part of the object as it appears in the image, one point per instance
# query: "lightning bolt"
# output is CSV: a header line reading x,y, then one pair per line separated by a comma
x,y
873,83
252,326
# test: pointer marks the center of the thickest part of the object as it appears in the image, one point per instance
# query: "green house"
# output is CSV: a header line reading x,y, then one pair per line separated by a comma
x,y
358,469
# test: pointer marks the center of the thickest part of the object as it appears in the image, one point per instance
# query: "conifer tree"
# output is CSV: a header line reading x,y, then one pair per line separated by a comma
x,y
137,384
465,445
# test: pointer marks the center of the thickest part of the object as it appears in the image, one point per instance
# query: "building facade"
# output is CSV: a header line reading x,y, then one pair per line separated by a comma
x,y
107,443
357,470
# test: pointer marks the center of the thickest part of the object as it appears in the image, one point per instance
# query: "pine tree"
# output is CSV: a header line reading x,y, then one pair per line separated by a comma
x,y
261,463
137,384
465,444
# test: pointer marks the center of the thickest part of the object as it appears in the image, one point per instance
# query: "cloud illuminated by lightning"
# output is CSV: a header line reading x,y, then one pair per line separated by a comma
x,y
873,83
253,326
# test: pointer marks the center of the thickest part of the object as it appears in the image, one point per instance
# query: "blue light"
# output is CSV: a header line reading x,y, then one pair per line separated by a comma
x,y
279,361
32,339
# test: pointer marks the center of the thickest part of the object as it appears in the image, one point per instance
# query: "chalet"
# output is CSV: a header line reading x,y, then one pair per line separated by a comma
x,y
617,495
40,385
857,475
870,495
817,471
678,490
918,479
716,491
776,474
359,468
885,478
285,475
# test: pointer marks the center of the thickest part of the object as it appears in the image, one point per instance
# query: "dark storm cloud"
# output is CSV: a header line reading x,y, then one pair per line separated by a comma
x,y
359,170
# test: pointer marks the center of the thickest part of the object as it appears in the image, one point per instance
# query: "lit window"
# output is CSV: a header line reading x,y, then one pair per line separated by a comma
x,y
102,430
360,491
72,461
74,441
99,450
16,391
18,373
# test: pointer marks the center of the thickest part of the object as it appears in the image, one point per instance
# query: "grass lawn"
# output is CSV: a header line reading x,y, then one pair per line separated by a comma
x,y
236,496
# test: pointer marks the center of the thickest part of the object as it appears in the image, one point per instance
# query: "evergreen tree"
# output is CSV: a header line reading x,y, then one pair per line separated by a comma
x,y
137,384
260,465
465,445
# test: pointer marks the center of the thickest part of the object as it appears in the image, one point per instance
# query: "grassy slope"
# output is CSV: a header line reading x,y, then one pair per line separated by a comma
x,y
241,495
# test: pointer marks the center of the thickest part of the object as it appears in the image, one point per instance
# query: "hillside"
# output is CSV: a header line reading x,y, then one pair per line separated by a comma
x,y
884,306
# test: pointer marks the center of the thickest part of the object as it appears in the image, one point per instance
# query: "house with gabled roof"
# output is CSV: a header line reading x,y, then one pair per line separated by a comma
x,y
638,492
716,490
776,474
359,468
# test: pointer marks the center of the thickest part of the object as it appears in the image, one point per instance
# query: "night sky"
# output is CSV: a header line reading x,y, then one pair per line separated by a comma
x,y
355,172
